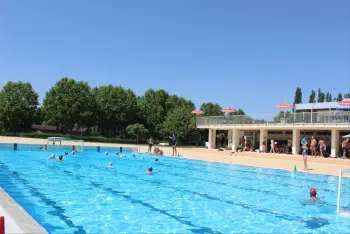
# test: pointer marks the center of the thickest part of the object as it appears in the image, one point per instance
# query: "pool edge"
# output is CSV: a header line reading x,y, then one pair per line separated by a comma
x,y
19,215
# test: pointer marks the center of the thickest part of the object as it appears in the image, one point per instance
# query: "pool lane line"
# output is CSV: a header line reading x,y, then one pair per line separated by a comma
x,y
226,175
58,210
227,165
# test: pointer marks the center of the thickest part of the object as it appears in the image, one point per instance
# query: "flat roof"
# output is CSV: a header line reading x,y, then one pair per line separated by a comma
x,y
317,106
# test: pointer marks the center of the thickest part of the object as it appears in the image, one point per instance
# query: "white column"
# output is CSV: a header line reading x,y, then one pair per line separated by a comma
x,y
296,141
263,137
235,138
229,137
213,142
254,140
210,138
335,143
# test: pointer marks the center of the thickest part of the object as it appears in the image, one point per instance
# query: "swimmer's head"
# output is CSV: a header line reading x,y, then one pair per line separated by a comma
x,y
106,153
142,158
313,192
60,157
52,155
156,160
66,153
110,164
117,153
150,169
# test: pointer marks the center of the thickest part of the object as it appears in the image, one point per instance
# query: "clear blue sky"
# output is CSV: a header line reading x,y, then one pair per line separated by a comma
x,y
245,54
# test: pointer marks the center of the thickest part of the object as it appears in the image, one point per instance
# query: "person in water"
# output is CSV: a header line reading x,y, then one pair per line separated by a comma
x,y
150,171
156,160
66,153
110,164
60,159
117,154
313,194
52,156
134,156
106,153
142,158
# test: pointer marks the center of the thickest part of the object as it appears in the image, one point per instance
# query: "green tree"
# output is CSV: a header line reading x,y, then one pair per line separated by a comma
x,y
18,106
238,112
320,96
340,97
281,115
180,122
328,97
346,95
153,106
117,108
68,104
298,97
312,97
136,130
211,109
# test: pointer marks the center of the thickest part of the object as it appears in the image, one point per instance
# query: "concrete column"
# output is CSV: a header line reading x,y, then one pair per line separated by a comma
x,y
229,137
254,140
335,143
263,137
235,138
296,141
213,145
210,138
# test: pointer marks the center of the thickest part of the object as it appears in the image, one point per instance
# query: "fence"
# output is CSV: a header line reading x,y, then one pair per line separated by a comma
x,y
332,117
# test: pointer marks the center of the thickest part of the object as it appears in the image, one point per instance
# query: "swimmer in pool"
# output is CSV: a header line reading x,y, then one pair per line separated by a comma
x,y
52,156
66,153
156,160
60,159
110,164
150,171
106,153
313,194
117,154
73,152
134,156
142,158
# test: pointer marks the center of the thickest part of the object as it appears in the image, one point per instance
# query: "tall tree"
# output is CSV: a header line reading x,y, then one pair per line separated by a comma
x,y
280,115
136,130
211,109
312,97
328,97
68,104
340,97
298,97
117,108
320,96
180,122
346,95
18,106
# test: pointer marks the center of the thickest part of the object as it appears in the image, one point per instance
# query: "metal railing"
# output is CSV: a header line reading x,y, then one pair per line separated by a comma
x,y
332,117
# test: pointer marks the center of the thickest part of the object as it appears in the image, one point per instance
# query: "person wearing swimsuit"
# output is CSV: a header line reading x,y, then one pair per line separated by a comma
x,y
272,150
174,143
150,144
321,146
304,151
313,146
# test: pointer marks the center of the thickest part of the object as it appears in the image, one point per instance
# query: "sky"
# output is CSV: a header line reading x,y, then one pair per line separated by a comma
x,y
247,54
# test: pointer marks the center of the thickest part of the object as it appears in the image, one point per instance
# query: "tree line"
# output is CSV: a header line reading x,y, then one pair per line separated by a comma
x,y
321,96
109,111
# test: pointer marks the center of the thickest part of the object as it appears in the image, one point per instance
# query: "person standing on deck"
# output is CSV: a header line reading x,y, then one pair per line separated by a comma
x,y
173,144
304,151
313,146
150,144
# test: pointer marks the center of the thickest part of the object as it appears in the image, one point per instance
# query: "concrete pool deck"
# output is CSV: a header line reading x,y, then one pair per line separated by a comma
x,y
17,220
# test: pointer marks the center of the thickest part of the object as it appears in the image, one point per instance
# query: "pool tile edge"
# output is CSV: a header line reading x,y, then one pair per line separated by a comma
x,y
23,220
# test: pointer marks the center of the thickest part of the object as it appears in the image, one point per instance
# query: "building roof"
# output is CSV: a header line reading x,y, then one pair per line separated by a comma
x,y
53,128
317,106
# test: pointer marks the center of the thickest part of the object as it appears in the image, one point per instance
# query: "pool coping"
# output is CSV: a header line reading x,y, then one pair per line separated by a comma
x,y
19,215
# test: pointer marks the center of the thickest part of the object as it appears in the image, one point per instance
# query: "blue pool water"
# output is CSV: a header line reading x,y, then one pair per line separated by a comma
x,y
80,195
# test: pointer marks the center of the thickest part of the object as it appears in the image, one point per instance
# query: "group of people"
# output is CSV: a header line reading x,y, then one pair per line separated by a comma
x,y
60,158
157,151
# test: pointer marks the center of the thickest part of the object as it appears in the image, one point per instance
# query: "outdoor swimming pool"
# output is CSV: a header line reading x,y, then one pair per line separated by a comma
x,y
80,195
